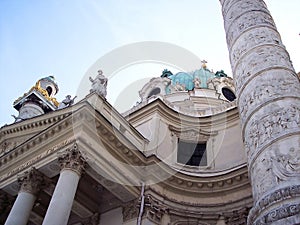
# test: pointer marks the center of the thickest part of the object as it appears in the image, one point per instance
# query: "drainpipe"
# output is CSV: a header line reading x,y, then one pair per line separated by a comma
x,y
139,222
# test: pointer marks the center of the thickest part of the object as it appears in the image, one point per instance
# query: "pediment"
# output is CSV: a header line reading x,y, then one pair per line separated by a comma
x,y
16,134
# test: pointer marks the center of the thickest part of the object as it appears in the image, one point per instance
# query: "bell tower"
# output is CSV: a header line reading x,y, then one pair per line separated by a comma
x,y
38,100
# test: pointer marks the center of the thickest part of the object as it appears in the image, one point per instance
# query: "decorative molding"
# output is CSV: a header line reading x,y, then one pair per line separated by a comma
x,y
237,217
192,133
36,159
72,159
154,209
290,192
207,185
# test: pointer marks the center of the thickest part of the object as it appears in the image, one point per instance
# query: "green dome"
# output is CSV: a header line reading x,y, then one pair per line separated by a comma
x,y
185,81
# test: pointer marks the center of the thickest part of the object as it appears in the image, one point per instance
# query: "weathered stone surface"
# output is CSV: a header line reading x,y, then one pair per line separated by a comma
x,y
269,104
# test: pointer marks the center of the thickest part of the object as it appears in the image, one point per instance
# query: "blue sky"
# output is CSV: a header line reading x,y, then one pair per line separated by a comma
x,y
65,37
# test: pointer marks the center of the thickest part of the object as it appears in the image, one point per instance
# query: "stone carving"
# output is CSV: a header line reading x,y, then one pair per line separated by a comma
x,y
237,217
72,159
245,21
252,39
258,60
268,127
99,84
130,211
242,8
68,101
283,211
154,210
286,166
31,181
6,146
197,82
283,84
178,87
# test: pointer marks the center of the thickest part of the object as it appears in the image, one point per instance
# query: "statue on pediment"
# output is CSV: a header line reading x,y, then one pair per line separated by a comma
x,y
99,84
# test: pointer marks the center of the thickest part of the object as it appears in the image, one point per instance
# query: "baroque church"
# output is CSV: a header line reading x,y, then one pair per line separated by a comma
x,y
199,148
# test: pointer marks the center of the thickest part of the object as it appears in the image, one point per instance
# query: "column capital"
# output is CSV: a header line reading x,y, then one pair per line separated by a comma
x,y
31,181
72,159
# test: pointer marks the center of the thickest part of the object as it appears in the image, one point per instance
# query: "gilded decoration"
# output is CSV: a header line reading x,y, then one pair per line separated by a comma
x,y
37,87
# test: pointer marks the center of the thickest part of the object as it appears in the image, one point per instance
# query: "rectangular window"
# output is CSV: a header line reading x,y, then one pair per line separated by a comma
x,y
192,154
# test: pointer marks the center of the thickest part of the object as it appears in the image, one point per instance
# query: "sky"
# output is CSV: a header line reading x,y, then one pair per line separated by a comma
x,y
65,38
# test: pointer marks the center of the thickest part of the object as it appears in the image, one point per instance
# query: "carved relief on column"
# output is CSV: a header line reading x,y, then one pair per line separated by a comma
x,y
259,60
282,85
277,167
240,7
252,39
247,20
72,159
264,128
31,181
280,206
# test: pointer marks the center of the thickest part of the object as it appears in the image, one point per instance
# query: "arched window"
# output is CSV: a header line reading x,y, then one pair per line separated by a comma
x,y
49,90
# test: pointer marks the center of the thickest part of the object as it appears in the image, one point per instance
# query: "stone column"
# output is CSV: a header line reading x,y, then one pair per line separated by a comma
x,y
268,93
72,165
30,183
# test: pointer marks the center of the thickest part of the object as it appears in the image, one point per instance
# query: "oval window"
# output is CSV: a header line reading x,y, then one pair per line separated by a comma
x,y
228,94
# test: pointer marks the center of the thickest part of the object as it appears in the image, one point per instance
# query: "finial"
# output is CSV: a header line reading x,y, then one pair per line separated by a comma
x,y
203,64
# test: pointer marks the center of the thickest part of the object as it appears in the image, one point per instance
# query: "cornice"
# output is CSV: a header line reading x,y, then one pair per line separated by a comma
x,y
214,184
33,125
118,143
225,114
210,111
187,210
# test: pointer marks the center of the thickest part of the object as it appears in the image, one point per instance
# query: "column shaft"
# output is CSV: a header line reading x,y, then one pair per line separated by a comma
x,y
268,92
21,209
61,202
31,182
72,164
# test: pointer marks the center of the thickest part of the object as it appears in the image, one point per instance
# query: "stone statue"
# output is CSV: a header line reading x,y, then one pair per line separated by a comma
x,y
68,101
197,82
99,84
17,118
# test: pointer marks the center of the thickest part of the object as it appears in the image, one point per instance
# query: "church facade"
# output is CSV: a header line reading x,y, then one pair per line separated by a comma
x,y
200,148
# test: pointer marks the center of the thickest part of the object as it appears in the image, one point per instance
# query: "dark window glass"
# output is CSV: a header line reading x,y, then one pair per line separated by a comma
x,y
192,154
229,95
155,91
49,90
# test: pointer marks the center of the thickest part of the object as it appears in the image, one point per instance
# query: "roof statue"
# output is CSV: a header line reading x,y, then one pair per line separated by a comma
x,y
166,73
99,84
68,101
220,73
